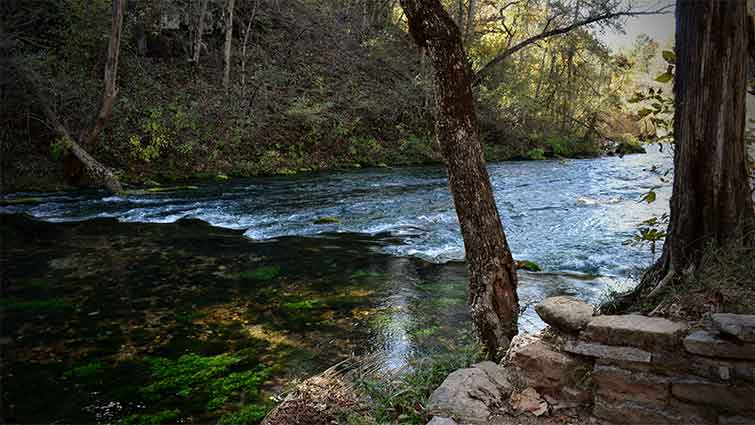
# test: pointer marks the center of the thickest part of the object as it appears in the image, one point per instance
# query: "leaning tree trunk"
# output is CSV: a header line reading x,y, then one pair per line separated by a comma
x,y
711,202
492,273
78,158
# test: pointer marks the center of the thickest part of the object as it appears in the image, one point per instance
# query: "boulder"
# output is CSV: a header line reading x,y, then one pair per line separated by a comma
x,y
467,395
497,375
565,313
643,332
708,344
740,326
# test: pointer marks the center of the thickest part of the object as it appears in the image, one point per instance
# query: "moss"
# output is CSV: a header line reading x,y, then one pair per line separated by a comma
x,y
305,305
161,417
85,371
209,378
221,178
260,274
249,414
170,189
528,265
326,220
48,306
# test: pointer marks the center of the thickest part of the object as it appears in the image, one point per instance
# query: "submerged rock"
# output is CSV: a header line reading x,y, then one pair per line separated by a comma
x,y
565,313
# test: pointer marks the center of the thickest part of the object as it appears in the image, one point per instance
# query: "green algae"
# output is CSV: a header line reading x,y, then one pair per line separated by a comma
x,y
260,274
327,220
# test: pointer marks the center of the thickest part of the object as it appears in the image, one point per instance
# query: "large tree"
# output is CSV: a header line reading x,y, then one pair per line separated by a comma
x,y
492,272
711,202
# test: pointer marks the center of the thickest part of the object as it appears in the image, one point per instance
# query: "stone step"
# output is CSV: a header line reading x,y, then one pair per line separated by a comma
x,y
708,344
648,333
740,326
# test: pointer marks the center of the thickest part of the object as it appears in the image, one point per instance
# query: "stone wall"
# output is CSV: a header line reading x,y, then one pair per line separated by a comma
x,y
634,369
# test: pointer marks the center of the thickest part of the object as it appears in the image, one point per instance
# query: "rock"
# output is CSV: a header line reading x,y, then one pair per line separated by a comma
x,y
708,344
732,398
622,384
634,330
530,401
626,354
565,313
497,375
544,366
467,395
548,370
740,326
439,420
736,420
632,412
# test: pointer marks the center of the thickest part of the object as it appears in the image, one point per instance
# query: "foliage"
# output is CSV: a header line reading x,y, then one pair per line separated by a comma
x,y
403,399
536,154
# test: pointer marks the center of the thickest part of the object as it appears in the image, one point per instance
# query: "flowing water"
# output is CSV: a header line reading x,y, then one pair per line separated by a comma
x,y
102,292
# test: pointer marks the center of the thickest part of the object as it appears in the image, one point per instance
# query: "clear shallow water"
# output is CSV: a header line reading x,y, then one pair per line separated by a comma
x,y
115,281
570,216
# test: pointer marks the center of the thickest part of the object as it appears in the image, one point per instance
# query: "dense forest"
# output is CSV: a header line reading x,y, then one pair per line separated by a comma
x,y
309,86
433,212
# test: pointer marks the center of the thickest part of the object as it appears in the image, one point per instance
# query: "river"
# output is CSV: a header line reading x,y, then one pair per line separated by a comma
x,y
97,286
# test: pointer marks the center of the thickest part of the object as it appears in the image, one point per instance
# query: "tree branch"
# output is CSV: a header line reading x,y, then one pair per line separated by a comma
x,y
482,73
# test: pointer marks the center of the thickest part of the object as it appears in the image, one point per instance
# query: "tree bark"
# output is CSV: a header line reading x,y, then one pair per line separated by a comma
x,y
228,45
711,203
471,13
492,273
200,31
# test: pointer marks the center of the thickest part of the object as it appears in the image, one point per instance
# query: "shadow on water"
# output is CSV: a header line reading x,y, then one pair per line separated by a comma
x,y
107,321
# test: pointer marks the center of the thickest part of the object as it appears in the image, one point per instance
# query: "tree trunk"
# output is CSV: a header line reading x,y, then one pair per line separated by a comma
x,y
492,274
243,48
711,201
200,31
228,45
471,11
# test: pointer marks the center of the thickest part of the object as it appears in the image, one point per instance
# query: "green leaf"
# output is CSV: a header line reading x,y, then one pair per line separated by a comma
x,y
669,56
665,77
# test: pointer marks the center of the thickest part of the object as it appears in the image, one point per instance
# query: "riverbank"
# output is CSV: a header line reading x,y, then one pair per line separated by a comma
x,y
41,171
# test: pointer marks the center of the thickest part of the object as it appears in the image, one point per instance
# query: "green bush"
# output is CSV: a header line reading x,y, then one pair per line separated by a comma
x,y
536,154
